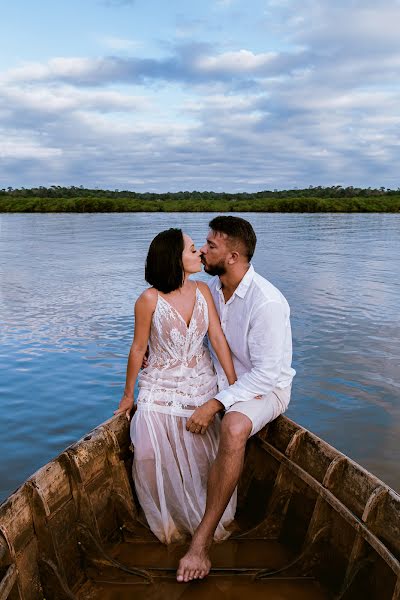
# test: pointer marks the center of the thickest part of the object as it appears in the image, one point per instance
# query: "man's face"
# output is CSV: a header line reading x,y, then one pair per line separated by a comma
x,y
214,253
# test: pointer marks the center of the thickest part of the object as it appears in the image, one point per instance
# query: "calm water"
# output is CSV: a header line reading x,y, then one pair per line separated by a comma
x,y
68,286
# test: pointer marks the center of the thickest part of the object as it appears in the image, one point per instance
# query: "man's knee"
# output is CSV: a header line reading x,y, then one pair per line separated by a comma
x,y
235,429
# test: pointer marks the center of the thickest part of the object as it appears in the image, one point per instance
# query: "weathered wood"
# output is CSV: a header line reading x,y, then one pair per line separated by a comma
x,y
43,529
344,513
8,582
56,586
18,535
313,455
122,493
354,487
279,432
322,511
83,508
45,534
52,481
387,522
16,519
3,552
340,509
359,552
396,592
272,525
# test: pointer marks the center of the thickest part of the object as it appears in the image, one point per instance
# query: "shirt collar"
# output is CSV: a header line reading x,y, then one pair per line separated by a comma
x,y
244,285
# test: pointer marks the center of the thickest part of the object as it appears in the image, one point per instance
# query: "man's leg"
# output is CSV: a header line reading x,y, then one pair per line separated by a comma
x,y
223,478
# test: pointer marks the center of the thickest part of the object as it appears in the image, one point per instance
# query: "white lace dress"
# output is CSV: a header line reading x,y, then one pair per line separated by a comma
x,y
171,465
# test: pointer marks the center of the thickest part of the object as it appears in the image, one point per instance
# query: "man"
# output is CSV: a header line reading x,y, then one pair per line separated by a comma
x,y
255,319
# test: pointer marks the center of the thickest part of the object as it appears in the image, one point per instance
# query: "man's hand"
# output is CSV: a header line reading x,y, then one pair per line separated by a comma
x,y
203,416
145,362
125,406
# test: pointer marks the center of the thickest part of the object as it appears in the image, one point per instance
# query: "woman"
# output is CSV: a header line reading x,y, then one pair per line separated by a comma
x,y
172,318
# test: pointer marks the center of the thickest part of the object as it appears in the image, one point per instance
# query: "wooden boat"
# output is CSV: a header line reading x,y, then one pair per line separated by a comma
x,y
311,524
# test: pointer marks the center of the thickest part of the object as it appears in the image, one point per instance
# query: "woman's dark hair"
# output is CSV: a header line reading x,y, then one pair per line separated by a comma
x,y
238,230
164,267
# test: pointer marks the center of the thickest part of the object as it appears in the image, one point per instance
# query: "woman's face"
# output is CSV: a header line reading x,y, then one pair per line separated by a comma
x,y
190,256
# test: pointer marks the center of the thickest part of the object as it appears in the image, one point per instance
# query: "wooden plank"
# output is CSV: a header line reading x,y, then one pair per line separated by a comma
x,y
89,455
387,523
322,510
53,483
122,492
279,432
314,455
342,510
48,548
8,582
27,564
83,507
396,591
278,504
16,519
359,551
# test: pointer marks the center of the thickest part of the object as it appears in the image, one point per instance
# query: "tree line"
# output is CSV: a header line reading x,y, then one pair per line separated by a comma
x,y
311,199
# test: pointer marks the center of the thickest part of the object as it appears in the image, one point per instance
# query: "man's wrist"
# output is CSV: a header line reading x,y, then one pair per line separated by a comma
x,y
215,405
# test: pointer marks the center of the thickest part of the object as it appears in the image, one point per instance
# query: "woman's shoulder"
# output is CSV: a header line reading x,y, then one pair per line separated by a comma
x,y
148,298
203,287
200,284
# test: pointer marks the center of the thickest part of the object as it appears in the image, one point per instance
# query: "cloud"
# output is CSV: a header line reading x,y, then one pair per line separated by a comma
x,y
359,26
191,63
320,109
243,61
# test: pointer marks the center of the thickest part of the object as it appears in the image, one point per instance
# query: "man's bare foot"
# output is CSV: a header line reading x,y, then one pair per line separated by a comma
x,y
194,565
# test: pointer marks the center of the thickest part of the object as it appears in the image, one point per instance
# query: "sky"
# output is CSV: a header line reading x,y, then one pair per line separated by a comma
x,y
222,95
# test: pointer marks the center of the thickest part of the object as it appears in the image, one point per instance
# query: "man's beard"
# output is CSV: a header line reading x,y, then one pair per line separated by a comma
x,y
218,269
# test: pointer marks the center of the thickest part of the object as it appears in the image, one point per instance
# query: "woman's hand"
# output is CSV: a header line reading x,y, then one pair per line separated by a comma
x,y
125,406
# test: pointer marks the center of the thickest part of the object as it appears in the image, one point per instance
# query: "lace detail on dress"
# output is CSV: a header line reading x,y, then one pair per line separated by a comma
x,y
180,373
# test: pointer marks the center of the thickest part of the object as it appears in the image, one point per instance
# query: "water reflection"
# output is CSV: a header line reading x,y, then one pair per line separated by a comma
x,y
68,286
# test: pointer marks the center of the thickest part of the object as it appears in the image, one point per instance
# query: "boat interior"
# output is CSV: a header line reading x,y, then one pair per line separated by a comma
x,y
311,524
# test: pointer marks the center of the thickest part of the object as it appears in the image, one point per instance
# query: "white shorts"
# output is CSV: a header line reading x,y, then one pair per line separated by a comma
x,y
262,410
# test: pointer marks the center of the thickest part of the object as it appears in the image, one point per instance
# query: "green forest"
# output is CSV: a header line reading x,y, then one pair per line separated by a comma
x,y
312,199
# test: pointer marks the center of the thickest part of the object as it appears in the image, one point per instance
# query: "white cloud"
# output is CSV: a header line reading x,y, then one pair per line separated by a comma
x,y
68,98
56,68
322,111
242,61
17,146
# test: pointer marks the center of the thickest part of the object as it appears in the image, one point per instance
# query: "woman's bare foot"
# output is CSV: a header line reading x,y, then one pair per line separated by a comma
x,y
194,565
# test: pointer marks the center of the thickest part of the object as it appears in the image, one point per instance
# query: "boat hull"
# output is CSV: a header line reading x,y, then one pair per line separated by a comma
x,y
335,526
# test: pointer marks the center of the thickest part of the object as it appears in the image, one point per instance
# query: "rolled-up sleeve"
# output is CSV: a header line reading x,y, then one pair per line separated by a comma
x,y
266,342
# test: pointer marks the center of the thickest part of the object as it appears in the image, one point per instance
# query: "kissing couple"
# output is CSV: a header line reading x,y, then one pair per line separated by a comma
x,y
187,456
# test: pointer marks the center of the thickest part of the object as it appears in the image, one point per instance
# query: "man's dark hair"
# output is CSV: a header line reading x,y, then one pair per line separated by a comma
x,y
236,229
164,267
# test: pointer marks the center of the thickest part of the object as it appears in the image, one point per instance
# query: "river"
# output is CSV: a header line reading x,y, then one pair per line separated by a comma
x,y
68,283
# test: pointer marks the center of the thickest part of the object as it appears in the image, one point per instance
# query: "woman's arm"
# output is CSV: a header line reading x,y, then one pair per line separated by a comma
x,y
144,309
217,337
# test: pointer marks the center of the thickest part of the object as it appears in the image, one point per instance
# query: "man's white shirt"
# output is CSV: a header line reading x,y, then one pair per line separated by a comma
x,y
256,324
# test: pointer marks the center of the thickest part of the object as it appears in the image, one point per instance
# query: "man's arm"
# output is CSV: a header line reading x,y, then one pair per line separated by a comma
x,y
266,341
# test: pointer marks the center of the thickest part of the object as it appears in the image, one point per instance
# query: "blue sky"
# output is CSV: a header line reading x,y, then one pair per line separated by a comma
x,y
221,95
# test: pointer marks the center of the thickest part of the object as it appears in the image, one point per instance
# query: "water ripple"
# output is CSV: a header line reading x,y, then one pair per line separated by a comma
x,y
68,286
